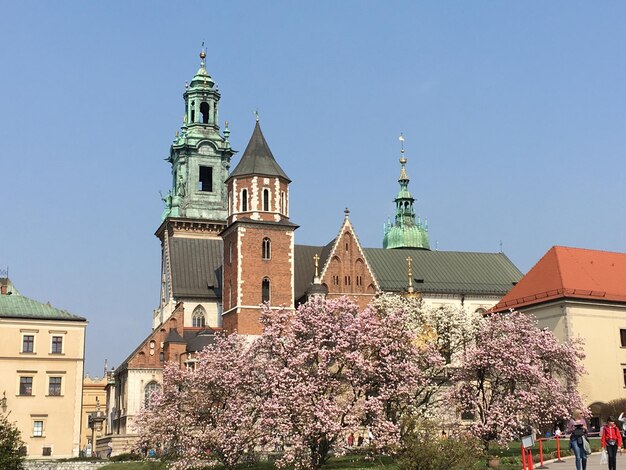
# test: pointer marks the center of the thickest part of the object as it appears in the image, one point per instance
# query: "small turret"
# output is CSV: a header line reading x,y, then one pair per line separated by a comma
x,y
405,231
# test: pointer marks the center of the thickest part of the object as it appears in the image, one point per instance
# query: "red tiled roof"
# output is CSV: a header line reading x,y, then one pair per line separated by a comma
x,y
573,273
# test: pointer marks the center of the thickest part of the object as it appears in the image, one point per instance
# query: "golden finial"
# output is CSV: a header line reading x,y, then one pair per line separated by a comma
x,y
316,258
202,56
409,261
402,158
225,124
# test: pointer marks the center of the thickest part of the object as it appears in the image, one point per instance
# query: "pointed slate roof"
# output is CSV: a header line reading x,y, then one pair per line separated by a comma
x,y
565,272
257,159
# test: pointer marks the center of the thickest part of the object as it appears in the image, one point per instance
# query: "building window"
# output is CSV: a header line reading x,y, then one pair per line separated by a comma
x,y
57,345
266,200
622,337
230,252
283,209
161,356
244,200
47,451
28,343
336,280
193,111
37,428
265,290
205,179
150,389
199,317
54,386
26,386
266,249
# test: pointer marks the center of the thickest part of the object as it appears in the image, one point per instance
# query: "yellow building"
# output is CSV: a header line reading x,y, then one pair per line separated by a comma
x,y
41,373
94,401
580,293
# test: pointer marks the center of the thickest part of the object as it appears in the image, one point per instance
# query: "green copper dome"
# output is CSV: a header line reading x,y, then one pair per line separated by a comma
x,y
405,231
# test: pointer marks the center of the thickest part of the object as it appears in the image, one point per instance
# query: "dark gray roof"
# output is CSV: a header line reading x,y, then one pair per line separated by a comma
x,y
444,271
304,266
257,159
174,337
196,265
198,340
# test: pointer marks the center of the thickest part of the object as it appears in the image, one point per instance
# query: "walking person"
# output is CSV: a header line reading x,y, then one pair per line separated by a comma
x,y
577,443
611,441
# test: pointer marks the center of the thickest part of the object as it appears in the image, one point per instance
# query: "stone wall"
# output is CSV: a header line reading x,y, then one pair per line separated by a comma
x,y
55,465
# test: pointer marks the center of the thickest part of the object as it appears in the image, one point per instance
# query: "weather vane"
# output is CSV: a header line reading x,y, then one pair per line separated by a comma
x,y
401,139
256,114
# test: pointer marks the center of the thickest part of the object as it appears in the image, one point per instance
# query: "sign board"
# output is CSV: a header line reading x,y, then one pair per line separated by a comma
x,y
528,441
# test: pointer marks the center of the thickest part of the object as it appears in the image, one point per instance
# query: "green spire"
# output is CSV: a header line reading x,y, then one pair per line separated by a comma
x,y
200,155
405,231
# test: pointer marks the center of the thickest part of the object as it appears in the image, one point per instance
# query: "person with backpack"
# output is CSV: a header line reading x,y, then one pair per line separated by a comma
x,y
611,441
577,443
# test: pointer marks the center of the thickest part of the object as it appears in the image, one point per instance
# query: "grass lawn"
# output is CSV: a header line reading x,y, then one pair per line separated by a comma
x,y
350,462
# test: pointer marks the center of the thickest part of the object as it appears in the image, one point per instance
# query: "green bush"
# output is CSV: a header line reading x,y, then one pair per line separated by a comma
x,y
424,449
128,456
11,457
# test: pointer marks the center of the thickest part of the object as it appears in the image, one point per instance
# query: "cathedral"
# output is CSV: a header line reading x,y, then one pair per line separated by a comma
x,y
228,245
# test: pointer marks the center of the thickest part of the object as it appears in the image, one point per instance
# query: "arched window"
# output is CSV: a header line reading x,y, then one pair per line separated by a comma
x,y
204,110
199,317
244,200
265,290
266,200
193,111
266,248
149,390
283,210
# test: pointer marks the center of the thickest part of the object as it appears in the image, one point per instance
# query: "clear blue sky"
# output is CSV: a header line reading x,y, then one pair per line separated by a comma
x,y
514,116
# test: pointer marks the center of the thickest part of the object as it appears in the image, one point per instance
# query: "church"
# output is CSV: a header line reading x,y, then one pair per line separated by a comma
x,y
228,245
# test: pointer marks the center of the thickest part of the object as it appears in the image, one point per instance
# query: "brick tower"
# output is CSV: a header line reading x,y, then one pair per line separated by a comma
x,y
258,239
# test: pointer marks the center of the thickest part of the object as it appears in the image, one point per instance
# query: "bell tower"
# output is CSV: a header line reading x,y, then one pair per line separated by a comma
x,y
196,205
405,231
258,262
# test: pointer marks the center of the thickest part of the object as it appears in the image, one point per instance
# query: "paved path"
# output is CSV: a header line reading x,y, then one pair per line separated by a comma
x,y
593,463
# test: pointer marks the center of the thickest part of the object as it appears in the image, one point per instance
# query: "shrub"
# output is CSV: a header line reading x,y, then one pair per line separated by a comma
x,y
423,448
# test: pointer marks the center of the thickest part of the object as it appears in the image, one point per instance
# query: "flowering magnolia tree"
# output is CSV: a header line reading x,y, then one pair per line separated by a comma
x,y
329,369
516,377
212,412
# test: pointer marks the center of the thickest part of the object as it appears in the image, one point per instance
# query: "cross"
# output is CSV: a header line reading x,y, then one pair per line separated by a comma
x,y
409,261
256,113
316,259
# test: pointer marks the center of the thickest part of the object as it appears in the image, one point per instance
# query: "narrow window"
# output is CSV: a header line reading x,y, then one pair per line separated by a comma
x,y
230,203
150,390
205,179
161,356
230,252
57,345
193,111
54,386
622,336
266,200
624,372
26,386
28,343
37,428
282,203
244,200
199,317
266,249
265,290
204,110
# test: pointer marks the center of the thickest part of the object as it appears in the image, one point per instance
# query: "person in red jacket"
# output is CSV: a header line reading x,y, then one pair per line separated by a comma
x,y
611,441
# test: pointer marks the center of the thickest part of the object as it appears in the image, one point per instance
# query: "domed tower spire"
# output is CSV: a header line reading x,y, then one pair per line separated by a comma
x,y
405,231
